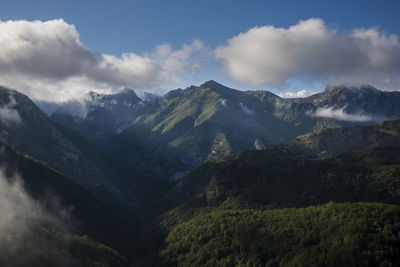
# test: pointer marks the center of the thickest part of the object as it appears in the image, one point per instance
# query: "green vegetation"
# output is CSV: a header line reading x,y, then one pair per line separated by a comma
x,y
274,207
40,247
350,234
83,211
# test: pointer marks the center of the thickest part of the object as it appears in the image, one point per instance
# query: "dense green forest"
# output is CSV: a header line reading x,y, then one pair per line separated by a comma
x,y
347,234
291,205
41,247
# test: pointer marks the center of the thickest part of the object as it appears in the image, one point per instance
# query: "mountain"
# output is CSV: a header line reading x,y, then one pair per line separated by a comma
x,y
278,201
107,114
169,135
345,105
183,128
30,131
257,187
27,129
209,122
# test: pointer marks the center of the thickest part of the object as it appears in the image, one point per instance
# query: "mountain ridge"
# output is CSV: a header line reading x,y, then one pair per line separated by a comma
x,y
189,126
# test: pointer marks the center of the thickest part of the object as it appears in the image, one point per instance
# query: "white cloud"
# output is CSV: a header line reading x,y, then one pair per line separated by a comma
x,y
20,218
246,110
8,113
223,102
340,114
18,209
298,94
270,55
47,61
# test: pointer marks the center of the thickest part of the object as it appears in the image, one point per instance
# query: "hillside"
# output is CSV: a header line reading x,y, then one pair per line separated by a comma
x,y
81,209
41,247
300,169
350,234
253,190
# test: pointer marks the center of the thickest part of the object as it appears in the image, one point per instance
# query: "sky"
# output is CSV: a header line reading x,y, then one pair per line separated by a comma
x,y
57,50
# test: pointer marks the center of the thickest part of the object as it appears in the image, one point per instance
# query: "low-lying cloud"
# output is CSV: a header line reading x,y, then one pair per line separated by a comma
x,y
340,114
246,110
21,240
8,113
271,55
18,209
47,61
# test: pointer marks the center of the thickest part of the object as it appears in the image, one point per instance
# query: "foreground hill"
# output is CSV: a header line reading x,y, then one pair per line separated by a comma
x,y
278,199
40,247
356,163
47,208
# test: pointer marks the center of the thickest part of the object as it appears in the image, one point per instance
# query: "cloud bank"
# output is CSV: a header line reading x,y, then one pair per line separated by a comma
x,y
270,55
47,61
340,114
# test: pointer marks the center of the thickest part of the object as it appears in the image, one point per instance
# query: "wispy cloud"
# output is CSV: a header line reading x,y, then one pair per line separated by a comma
x,y
8,113
20,241
246,109
341,115
271,55
47,61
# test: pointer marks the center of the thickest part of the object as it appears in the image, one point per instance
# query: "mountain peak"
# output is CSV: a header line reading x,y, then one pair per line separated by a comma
x,y
125,94
173,93
219,88
127,91
211,84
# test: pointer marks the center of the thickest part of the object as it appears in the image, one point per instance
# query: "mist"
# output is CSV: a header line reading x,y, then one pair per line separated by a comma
x,y
341,115
26,227
8,113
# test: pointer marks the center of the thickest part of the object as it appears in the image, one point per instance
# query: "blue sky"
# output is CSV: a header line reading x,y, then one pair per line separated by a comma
x,y
116,27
